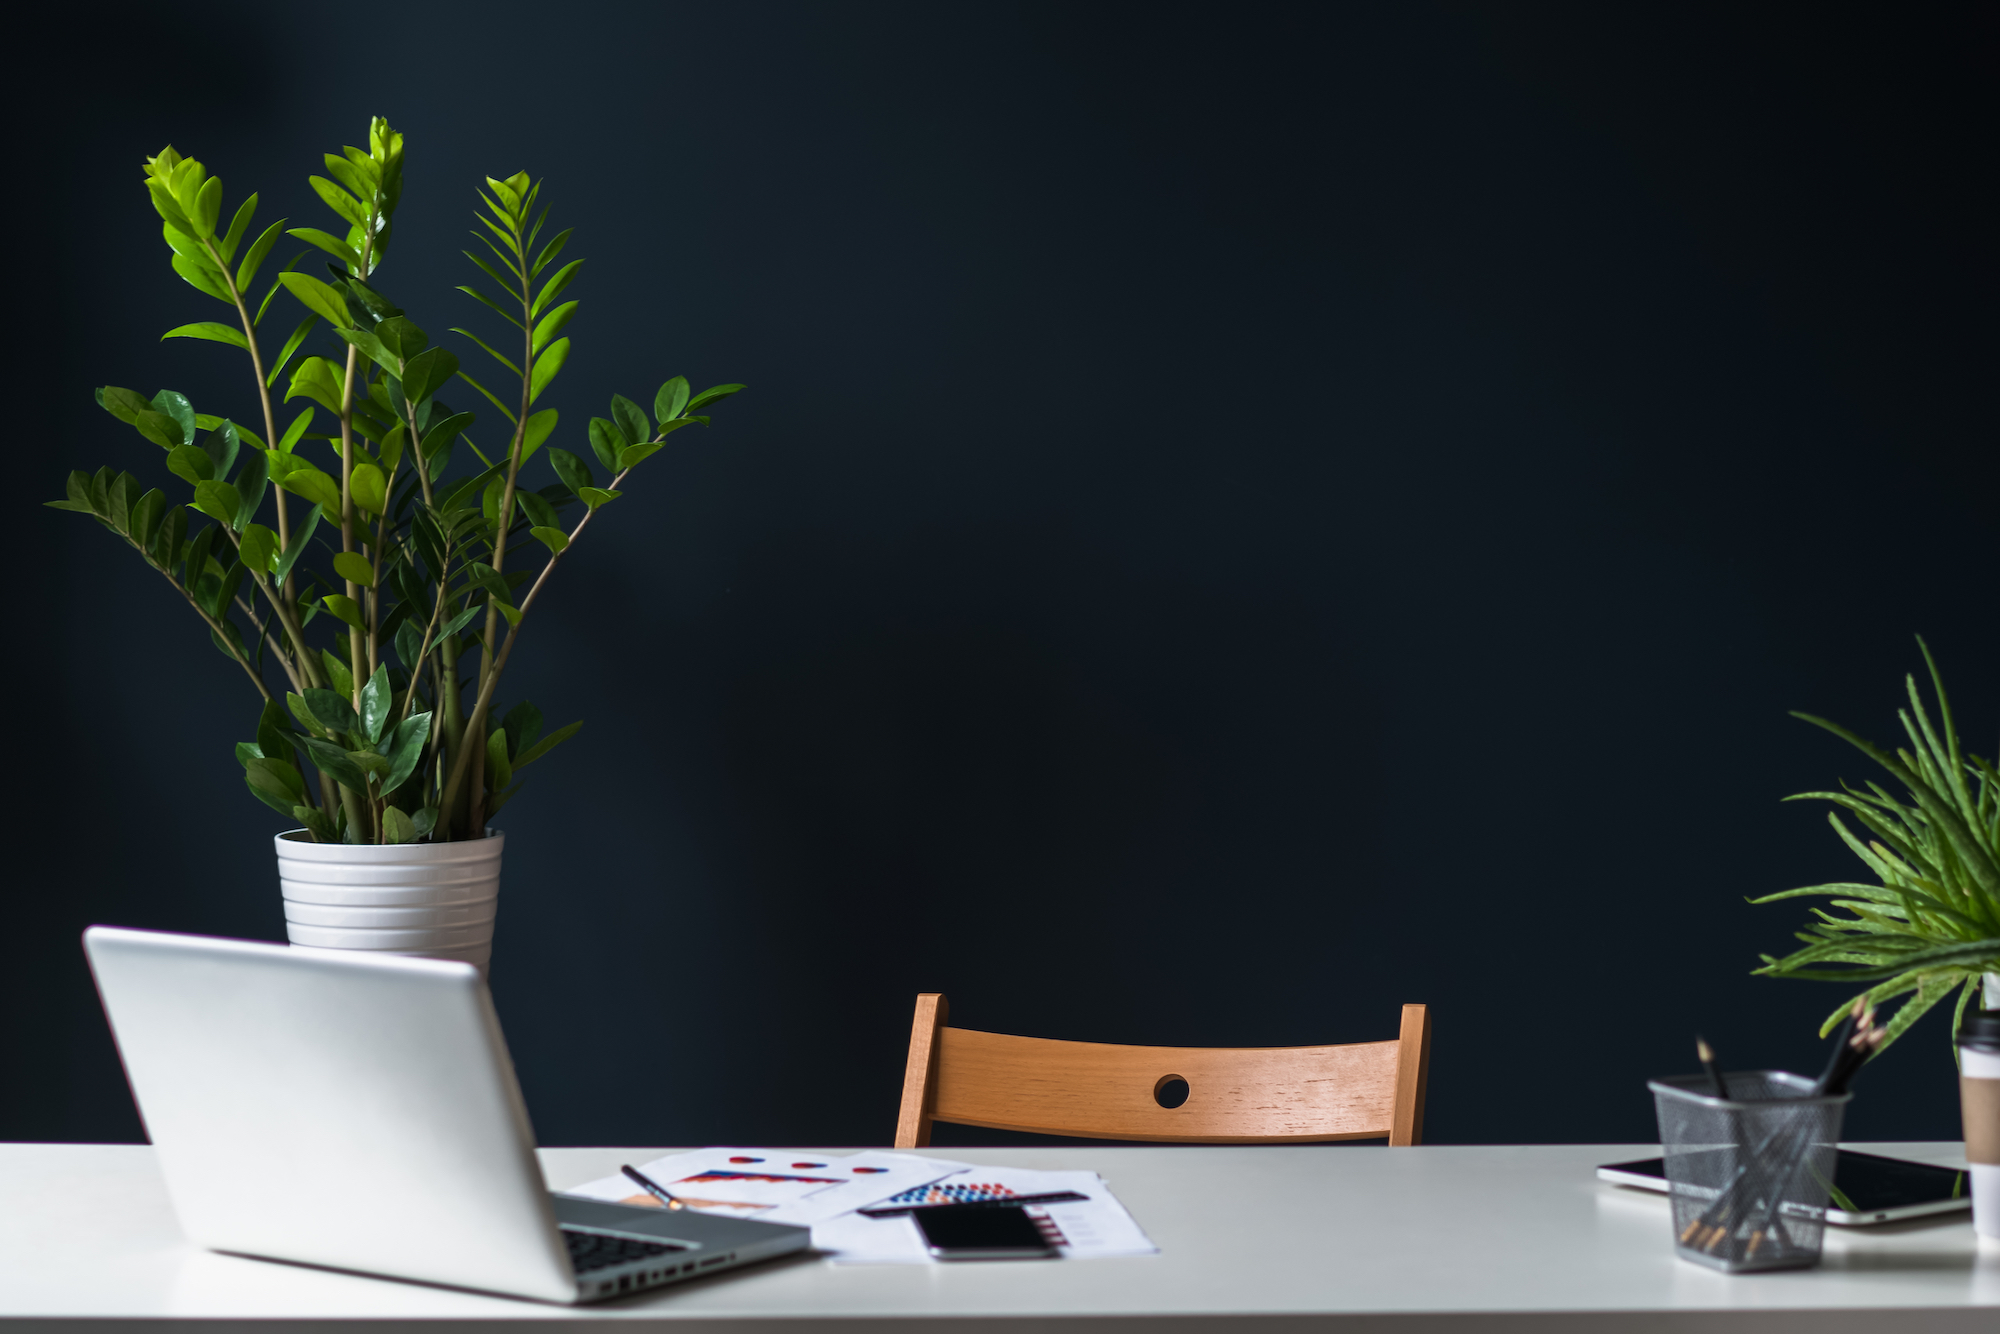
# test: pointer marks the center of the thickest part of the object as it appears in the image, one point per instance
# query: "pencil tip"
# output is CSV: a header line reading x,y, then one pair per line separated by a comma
x,y
1704,1051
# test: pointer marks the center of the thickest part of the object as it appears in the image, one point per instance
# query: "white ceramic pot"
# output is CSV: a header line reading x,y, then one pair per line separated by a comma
x,y
433,899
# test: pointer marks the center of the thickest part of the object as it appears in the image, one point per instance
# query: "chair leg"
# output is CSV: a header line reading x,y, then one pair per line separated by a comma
x,y
913,1118
1413,1065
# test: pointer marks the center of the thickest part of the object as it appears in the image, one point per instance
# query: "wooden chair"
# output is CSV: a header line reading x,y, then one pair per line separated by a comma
x,y
1235,1095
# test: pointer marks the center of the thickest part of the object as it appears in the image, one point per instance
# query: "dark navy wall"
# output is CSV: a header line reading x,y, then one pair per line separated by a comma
x,y
1245,516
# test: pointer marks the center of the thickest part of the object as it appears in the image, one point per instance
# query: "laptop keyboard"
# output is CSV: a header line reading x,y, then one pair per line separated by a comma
x,y
589,1251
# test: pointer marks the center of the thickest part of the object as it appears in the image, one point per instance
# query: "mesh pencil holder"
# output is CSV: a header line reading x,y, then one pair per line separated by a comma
x,y
1749,1175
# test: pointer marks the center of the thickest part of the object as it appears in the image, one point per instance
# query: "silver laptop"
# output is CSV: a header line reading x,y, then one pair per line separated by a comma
x,y
359,1112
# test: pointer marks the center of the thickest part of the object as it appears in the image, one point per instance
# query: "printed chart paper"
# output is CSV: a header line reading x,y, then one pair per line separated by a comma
x,y
1083,1229
774,1185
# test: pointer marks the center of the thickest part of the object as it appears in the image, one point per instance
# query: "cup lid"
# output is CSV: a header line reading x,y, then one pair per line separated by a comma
x,y
1980,1030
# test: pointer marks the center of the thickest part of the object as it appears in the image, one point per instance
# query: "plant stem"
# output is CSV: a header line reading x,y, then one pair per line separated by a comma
x,y
263,397
477,723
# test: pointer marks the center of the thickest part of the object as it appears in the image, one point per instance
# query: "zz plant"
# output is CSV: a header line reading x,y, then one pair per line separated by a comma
x,y
1931,922
385,588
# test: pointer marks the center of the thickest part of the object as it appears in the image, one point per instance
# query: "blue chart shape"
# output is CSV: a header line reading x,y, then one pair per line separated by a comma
x,y
955,1193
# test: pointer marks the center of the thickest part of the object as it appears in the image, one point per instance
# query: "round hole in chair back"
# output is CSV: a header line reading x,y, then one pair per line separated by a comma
x,y
1171,1091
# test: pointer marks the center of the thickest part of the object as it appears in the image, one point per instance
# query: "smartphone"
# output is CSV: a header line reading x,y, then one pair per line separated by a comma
x,y
1868,1188
982,1232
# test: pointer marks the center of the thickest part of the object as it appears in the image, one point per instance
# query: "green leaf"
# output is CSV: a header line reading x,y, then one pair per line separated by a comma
x,y
631,420
708,396
346,609
318,298
397,827
275,783
488,348
486,577
499,773
402,337
196,555
523,725
427,373
369,488
547,367
250,480
378,701
254,259
336,672
191,464
545,745
232,646
552,324
333,245
322,829
207,207
442,433
221,445
338,764
181,411
606,440
554,287
331,710
296,431
549,252
371,348
213,332
555,539
296,547
316,380
275,737
158,428
540,425
457,623
202,278
490,397
218,500
292,343
167,544
354,568
669,403
315,486
124,404
145,516
594,496
633,455
259,548
237,226
406,749
351,210
573,471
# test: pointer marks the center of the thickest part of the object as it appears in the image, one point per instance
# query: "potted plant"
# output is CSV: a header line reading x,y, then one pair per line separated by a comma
x,y
1930,923
365,565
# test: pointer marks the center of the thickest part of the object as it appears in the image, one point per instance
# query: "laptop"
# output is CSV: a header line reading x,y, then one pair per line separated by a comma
x,y
357,1111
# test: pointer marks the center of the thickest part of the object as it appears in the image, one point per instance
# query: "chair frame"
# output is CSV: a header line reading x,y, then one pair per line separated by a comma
x,y
1239,1095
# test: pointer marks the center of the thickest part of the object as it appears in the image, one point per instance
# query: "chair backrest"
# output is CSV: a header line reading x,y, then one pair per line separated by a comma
x,y
1235,1095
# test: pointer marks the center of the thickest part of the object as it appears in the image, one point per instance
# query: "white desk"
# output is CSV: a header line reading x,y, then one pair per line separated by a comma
x,y
1353,1238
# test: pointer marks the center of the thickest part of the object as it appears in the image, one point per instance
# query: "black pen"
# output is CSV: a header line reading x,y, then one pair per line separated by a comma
x,y
651,1187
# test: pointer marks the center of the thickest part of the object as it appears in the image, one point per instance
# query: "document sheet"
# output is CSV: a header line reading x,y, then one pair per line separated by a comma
x,y
825,1191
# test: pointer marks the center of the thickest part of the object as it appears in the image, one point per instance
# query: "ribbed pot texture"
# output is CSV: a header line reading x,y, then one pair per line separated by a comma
x,y
432,899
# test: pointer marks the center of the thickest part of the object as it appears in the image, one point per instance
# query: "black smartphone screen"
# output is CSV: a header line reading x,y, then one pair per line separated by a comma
x,y
1865,1182
981,1232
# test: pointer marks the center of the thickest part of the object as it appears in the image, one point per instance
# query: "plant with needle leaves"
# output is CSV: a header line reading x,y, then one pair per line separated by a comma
x,y
422,558
1932,923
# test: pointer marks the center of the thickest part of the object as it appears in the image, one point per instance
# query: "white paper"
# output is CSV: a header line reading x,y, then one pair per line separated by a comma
x,y
774,1185
1091,1228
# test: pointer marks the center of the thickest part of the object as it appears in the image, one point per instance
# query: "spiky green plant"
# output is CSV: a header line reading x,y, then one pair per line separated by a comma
x,y
1933,923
